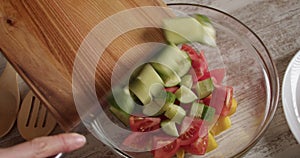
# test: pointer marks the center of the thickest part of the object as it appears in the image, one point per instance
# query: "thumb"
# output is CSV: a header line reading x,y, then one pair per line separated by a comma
x,y
45,146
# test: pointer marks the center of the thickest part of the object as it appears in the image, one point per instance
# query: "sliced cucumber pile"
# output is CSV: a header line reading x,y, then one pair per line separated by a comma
x,y
190,29
169,68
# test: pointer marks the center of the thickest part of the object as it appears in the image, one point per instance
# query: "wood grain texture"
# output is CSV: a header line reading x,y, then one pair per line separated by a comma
x,y
41,38
277,24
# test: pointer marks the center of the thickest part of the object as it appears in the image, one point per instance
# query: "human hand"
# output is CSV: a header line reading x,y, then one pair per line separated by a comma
x,y
45,146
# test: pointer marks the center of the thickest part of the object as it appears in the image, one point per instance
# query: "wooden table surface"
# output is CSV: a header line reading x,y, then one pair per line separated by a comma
x,y
277,23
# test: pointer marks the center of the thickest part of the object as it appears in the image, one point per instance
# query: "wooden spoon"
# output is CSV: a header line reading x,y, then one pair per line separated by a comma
x,y
34,120
9,99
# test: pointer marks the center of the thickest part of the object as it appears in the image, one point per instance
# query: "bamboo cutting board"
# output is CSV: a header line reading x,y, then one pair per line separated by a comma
x,y
40,38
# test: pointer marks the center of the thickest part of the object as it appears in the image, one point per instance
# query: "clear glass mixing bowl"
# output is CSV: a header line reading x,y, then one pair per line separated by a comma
x,y
249,69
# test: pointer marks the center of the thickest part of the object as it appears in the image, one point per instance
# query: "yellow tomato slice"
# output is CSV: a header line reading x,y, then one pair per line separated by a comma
x,y
211,144
221,125
233,107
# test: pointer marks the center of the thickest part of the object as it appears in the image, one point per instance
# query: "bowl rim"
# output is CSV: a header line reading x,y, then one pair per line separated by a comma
x,y
273,101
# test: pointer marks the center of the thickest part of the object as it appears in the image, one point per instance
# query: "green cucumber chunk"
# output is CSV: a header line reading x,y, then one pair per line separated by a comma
x,y
197,110
145,81
175,113
121,99
187,81
149,76
159,104
169,76
204,88
185,95
169,127
190,29
139,89
121,115
173,59
209,33
182,30
208,113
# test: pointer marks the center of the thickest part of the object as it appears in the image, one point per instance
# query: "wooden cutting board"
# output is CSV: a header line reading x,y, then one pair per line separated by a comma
x,y
40,38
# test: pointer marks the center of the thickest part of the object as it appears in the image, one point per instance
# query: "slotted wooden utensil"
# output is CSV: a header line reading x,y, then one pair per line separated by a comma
x,y
41,39
9,99
34,120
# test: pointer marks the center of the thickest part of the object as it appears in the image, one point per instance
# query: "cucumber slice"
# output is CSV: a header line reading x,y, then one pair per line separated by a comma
x,y
182,30
208,113
139,89
209,33
197,110
121,115
204,88
149,76
156,107
169,127
187,81
190,29
169,76
174,59
185,95
146,81
121,99
175,113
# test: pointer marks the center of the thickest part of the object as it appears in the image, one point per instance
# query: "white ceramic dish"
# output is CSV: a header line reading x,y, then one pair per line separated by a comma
x,y
291,95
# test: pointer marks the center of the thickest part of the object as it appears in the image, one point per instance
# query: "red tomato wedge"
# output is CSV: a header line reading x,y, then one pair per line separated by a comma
x,y
198,147
144,124
228,101
199,64
206,100
172,89
165,147
217,75
218,98
191,129
139,141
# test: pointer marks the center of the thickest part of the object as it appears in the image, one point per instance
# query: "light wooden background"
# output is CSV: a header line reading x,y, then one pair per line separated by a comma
x,y
277,23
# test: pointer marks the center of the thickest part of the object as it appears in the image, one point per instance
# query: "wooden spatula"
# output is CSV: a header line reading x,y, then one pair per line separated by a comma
x,y
33,119
41,39
9,99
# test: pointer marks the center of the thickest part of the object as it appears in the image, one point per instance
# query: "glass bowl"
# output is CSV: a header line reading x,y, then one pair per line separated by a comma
x,y
249,69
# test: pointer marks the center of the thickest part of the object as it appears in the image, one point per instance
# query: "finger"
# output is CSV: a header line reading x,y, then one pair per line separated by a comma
x,y
46,146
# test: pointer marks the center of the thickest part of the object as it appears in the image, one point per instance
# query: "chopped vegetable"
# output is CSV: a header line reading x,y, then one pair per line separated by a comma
x,y
205,88
221,125
169,127
187,81
165,147
185,95
211,143
198,147
197,110
175,113
176,81
159,104
121,115
144,124
233,107
208,113
228,101
180,153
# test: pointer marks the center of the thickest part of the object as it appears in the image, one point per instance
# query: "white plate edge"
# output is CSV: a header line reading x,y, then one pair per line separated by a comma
x,y
286,102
